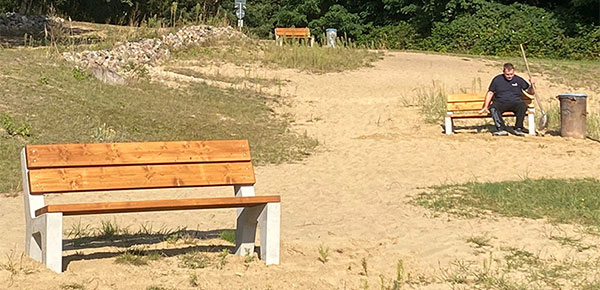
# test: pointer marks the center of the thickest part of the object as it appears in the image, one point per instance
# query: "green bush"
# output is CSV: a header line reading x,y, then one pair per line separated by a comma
x,y
498,29
399,36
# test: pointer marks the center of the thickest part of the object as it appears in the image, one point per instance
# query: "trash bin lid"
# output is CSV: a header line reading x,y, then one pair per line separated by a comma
x,y
570,95
331,29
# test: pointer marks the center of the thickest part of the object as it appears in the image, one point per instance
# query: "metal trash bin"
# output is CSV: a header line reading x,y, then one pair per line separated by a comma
x,y
331,37
572,115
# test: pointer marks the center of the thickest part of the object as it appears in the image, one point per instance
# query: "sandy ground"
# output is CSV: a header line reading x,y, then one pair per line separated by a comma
x,y
353,196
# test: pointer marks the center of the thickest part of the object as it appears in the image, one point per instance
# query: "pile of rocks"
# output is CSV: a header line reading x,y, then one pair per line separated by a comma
x,y
12,21
124,56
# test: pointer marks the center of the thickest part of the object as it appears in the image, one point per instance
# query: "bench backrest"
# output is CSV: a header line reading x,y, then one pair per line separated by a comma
x,y
474,102
119,166
292,32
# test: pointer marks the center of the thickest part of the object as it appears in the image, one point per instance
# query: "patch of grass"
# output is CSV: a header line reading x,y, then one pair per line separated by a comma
x,y
14,128
228,235
15,266
520,269
576,243
67,110
217,77
156,287
194,260
315,59
480,241
73,286
137,257
560,200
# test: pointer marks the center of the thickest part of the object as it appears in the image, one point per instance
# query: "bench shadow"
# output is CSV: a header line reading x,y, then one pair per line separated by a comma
x,y
128,240
470,129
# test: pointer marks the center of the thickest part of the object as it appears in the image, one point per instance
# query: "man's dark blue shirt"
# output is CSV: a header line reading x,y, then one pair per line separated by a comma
x,y
506,91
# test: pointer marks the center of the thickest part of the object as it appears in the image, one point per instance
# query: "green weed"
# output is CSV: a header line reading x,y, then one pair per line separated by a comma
x,y
228,235
323,254
194,260
479,241
222,259
137,257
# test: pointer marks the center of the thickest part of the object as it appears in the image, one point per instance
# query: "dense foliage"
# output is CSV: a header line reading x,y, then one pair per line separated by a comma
x,y
553,28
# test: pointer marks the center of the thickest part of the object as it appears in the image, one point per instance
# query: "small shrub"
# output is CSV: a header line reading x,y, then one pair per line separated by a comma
x,y
193,280
228,235
194,260
108,230
323,254
222,261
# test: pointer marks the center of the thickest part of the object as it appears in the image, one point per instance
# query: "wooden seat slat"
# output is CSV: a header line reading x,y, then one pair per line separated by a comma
x,y
472,106
465,115
98,154
292,31
156,205
73,179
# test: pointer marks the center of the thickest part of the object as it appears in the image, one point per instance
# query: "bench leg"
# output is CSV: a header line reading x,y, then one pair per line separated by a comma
x,y
449,125
269,223
531,119
245,232
51,238
33,238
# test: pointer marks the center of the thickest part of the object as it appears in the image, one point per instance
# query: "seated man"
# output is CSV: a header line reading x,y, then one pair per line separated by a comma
x,y
505,91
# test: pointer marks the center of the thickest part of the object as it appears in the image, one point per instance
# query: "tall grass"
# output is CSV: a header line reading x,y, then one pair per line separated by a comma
x,y
432,103
559,200
315,59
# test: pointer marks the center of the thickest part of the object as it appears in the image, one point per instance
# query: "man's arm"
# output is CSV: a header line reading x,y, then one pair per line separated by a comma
x,y
531,90
486,104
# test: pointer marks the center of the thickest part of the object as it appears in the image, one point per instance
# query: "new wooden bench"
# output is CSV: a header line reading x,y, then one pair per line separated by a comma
x,y
87,168
467,106
294,33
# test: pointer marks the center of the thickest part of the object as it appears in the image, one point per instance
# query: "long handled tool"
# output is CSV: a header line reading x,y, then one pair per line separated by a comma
x,y
543,120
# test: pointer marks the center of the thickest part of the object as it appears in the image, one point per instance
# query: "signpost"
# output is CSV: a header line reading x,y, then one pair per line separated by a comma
x,y
240,5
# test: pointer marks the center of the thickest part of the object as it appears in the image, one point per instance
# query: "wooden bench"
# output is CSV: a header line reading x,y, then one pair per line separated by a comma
x,y
467,106
294,33
68,168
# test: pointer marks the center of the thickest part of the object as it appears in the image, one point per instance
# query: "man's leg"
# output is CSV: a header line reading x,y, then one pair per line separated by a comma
x,y
496,110
520,109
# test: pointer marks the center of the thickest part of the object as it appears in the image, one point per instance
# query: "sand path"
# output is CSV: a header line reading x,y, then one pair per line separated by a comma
x,y
353,195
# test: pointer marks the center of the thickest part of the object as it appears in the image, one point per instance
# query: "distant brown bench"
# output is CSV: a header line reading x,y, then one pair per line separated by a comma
x,y
294,33
467,106
68,168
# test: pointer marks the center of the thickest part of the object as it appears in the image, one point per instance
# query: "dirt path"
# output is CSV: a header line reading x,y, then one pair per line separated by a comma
x,y
353,196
